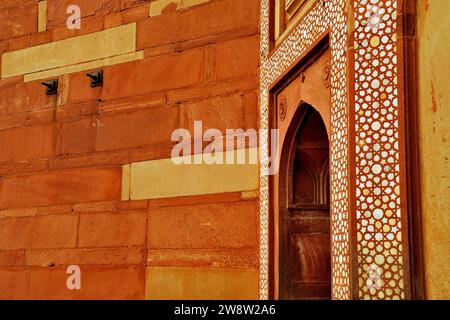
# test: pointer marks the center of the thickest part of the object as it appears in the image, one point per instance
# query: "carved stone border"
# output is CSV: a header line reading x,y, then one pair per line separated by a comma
x,y
366,262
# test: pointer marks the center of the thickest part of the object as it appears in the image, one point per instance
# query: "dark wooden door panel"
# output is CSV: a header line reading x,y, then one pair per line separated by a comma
x,y
312,251
308,256
308,291
309,225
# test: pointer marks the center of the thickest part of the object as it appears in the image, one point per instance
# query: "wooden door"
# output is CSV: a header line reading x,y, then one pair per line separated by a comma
x,y
304,225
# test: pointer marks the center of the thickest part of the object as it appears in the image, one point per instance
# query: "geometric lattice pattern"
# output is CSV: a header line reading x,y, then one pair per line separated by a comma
x,y
325,15
380,241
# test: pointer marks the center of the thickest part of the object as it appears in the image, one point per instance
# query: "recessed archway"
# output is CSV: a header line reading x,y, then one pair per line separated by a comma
x,y
304,255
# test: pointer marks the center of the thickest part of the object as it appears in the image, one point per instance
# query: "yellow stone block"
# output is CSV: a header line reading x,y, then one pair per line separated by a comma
x,y
164,179
99,45
85,66
190,3
201,284
42,16
156,7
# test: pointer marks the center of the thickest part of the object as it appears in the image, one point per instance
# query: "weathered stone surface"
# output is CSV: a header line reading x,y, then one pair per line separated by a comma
x,y
237,111
154,74
108,206
57,10
61,187
38,232
126,4
61,156
159,7
27,143
212,90
19,43
96,283
23,97
57,257
212,18
94,64
225,225
16,282
137,128
89,25
196,179
196,200
433,45
127,229
18,19
12,258
202,283
39,38
42,16
216,258
78,136
237,58
113,42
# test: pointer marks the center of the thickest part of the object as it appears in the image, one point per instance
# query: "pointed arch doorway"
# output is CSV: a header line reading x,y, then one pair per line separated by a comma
x,y
304,210
300,192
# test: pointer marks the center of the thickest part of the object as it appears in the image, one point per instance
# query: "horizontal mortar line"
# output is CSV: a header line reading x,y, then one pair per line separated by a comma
x,y
61,267
253,267
234,201
27,249
200,265
90,264
78,248
233,34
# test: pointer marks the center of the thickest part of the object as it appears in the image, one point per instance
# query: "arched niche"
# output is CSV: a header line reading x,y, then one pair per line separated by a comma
x,y
304,212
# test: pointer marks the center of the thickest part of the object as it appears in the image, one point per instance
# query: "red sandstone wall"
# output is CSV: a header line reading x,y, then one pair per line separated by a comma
x,y
61,157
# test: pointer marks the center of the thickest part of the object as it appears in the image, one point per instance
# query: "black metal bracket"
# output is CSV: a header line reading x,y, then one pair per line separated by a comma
x,y
96,78
52,87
